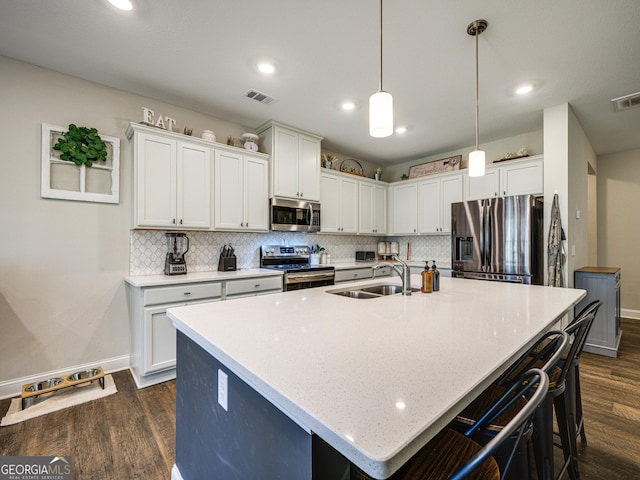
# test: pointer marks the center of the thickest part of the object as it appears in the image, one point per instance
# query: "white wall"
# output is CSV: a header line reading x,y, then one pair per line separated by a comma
x,y
619,222
567,153
556,169
62,296
532,141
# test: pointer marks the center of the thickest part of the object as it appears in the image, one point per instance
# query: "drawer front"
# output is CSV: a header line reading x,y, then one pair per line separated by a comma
x,y
182,293
350,275
253,285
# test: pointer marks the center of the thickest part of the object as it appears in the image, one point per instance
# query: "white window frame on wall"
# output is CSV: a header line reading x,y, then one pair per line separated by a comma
x,y
80,195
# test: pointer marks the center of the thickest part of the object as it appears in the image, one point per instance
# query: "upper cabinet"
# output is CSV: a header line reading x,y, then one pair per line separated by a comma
x,y
404,211
434,204
295,161
339,203
172,180
513,177
372,202
241,195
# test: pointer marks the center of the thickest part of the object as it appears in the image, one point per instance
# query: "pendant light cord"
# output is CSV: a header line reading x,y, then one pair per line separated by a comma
x,y
477,88
380,86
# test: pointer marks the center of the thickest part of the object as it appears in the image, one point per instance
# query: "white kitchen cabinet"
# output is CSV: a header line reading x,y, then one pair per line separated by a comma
x,y
514,177
404,210
241,192
435,198
522,178
172,179
295,161
372,203
153,336
360,273
250,287
339,200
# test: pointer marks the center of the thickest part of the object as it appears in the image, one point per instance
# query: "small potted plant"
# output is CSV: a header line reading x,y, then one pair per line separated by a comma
x,y
327,160
378,173
404,177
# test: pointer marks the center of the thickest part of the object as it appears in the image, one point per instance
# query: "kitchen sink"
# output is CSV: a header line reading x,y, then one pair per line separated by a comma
x,y
355,294
371,291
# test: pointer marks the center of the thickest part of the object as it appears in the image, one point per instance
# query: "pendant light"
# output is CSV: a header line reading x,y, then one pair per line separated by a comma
x,y
380,104
476,158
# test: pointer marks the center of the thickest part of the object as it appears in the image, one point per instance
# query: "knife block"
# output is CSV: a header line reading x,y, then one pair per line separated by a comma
x,y
227,264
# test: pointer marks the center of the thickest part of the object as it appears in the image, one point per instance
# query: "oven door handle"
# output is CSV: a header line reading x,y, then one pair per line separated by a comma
x,y
306,277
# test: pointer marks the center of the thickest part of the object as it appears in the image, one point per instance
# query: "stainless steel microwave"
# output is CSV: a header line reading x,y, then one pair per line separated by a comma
x,y
295,215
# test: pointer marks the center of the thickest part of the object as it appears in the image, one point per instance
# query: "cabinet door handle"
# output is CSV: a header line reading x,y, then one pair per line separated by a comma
x,y
301,194
257,285
246,224
186,294
242,224
180,221
173,221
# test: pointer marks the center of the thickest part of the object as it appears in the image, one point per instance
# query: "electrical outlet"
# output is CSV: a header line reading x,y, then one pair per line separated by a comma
x,y
573,250
578,214
223,389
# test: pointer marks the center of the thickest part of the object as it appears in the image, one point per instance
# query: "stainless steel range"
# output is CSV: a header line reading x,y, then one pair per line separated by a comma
x,y
294,261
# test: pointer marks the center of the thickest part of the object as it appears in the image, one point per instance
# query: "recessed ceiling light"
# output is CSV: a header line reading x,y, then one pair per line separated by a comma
x,y
348,105
401,129
266,68
122,4
524,89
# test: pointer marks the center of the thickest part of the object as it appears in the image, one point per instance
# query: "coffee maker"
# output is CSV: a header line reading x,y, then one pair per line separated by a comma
x,y
178,246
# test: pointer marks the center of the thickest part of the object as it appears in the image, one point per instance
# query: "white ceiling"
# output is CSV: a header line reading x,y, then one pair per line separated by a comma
x,y
200,54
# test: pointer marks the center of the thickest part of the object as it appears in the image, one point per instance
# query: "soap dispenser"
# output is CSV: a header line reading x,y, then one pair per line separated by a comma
x,y
427,279
435,277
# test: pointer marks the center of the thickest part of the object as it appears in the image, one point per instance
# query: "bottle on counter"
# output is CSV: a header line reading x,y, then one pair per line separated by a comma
x,y
435,277
427,279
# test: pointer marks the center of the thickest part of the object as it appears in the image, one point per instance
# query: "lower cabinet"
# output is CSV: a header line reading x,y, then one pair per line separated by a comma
x,y
601,283
251,287
360,273
153,336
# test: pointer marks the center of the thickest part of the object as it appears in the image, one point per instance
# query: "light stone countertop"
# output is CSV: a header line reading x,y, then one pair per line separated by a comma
x,y
195,277
376,378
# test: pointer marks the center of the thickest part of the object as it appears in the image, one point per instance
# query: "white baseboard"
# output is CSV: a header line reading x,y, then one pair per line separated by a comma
x,y
13,387
628,313
175,473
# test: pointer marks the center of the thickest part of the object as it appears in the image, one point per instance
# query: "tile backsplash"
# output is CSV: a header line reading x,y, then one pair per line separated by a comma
x,y
148,248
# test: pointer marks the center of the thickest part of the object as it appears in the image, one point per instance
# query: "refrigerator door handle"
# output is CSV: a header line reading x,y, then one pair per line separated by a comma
x,y
483,236
488,249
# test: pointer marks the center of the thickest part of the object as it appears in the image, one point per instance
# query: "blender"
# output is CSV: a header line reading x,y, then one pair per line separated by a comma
x,y
178,245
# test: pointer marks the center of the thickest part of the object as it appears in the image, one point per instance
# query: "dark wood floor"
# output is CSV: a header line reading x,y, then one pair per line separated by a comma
x,y
132,434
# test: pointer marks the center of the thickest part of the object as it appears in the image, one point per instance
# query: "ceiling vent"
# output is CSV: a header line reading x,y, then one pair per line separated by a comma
x,y
259,97
626,102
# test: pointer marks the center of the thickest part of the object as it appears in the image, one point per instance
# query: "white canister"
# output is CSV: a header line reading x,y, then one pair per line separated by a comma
x,y
314,259
208,135
395,248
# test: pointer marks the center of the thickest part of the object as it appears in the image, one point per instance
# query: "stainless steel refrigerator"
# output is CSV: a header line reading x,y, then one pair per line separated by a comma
x,y
498,239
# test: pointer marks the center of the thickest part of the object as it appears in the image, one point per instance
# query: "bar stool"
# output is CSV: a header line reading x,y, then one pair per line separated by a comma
x,y
573,377
544,354
451,455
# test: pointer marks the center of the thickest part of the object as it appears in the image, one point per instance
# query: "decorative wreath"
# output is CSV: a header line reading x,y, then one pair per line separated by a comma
x,y
81,145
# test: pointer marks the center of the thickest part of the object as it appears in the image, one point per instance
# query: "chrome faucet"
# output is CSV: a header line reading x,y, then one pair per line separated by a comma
x,y
403,270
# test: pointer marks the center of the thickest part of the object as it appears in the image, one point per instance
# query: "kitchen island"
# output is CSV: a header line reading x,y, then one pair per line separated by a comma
x,y
280,385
